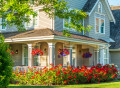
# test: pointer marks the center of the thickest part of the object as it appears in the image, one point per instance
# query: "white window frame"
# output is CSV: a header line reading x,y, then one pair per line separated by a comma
x,y
72,30
30,22
107,57
99,25
1,24
100,4
23,59
37,17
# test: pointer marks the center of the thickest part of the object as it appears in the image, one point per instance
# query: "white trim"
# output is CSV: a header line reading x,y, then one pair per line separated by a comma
x,y
93,7
110,11
114,49
79,40
23,54
29,39
100,13
54,37
100,6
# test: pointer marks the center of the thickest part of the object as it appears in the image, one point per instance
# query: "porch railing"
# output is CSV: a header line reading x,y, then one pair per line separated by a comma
x,y
25,68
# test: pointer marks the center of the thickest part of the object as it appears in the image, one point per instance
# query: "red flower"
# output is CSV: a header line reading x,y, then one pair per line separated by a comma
x,y
65,82
51,64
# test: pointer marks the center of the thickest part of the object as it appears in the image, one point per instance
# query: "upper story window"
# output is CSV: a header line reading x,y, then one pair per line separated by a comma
x,y
36,19
2,24
100,7
68,22
33,21
100,25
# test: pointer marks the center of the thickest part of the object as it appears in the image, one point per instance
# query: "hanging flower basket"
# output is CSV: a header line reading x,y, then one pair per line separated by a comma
x,y
87,55
63,52
9,51
37,52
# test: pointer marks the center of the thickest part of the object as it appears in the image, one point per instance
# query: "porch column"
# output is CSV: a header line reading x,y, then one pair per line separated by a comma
x,y
29,55
51,53
102,55
70,55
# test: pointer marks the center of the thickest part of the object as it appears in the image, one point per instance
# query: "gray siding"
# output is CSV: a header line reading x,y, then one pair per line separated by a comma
x,y
92,33
115,57
74,4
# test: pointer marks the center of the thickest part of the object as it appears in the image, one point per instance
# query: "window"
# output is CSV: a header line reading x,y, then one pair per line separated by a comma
x,y
33,21
36,58
65,21
30,22
36,19
25,48
68,22
106,59
100,25
2,24
100,7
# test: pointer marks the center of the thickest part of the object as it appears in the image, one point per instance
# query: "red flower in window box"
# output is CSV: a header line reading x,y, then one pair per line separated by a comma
x,y
37,52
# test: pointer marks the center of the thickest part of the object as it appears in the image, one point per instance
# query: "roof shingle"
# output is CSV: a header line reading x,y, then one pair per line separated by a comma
x,y
89,5
115,30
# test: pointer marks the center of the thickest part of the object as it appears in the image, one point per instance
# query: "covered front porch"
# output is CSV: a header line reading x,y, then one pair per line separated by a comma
x,y
23,57
23,44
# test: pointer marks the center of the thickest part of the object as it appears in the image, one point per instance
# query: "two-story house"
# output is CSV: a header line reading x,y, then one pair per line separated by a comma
x,y
46,34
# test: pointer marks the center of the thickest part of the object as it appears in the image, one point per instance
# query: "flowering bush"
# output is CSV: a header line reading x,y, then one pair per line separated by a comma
x,y
70,75
9,51
87,55
37,52
63,52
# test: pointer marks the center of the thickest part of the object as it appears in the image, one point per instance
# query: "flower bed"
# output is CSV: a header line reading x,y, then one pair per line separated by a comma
x,y
60,76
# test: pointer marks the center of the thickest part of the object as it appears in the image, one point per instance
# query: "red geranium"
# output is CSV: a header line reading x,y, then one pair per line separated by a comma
x,y
37,52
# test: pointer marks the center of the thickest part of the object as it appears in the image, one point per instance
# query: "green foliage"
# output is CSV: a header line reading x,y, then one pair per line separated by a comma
x,y
65,76
5,63
17,12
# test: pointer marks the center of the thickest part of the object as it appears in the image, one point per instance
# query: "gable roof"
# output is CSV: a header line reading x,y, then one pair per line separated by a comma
x,y
45,32
91,4
115,30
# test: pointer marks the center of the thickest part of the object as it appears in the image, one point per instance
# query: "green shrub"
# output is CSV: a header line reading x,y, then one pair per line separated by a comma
x,y
5,63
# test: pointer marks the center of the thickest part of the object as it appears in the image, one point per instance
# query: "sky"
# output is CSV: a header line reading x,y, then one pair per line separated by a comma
x,y
114,2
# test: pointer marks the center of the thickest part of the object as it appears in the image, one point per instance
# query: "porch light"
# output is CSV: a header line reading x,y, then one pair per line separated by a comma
x,y
45,49
16,51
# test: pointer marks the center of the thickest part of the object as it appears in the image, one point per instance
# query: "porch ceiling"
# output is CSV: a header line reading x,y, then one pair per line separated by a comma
x,y
45,34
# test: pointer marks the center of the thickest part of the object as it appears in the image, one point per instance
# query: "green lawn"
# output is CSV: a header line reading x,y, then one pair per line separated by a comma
x,y
101,85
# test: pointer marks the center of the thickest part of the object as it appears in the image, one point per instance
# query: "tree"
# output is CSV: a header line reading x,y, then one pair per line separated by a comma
x,y
5,63
16,12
